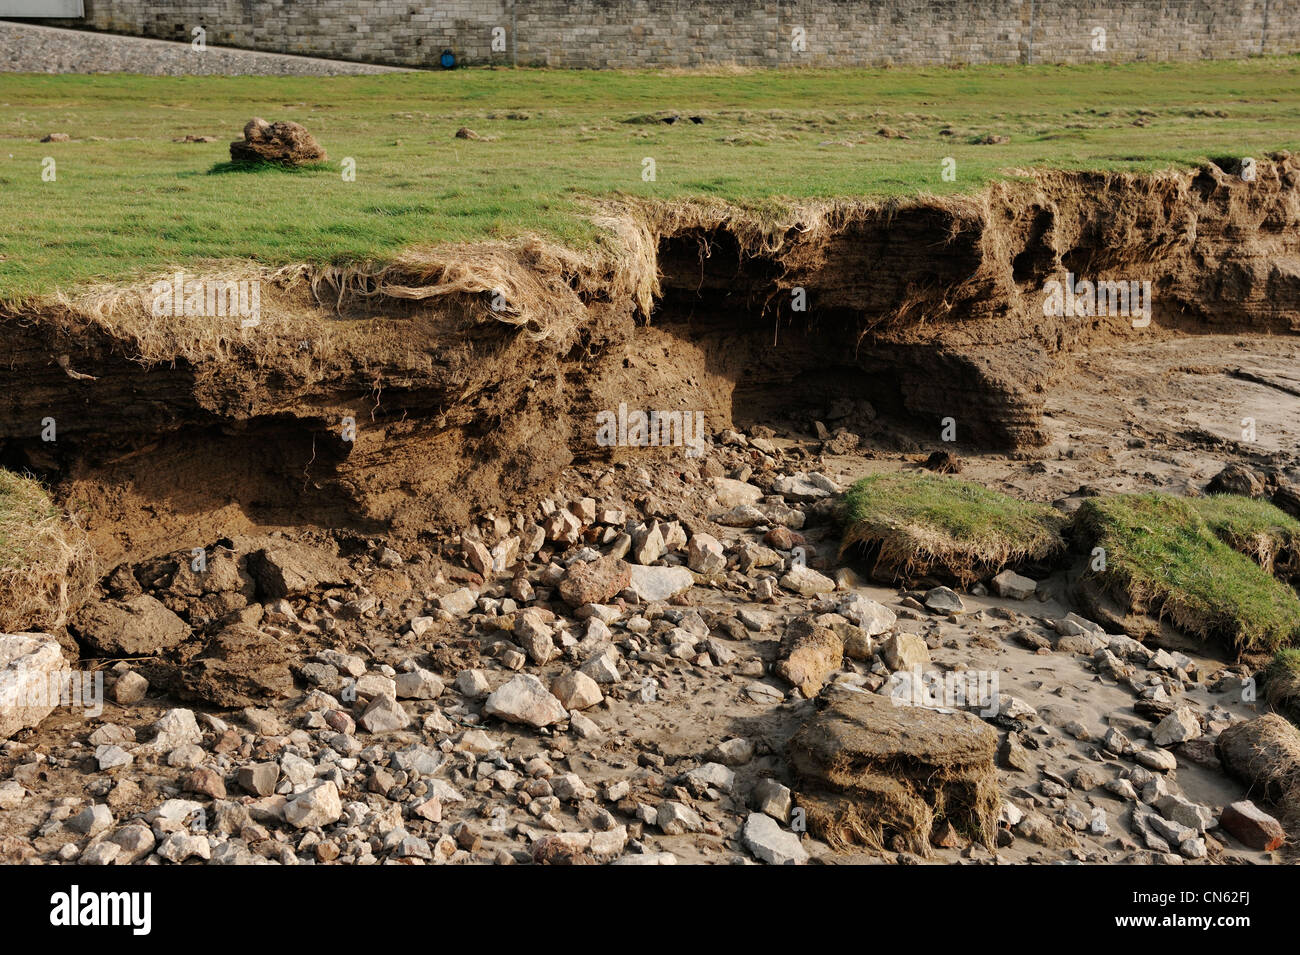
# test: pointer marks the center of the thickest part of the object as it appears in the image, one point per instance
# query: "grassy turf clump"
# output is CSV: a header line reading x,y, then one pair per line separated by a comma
x,y
920,525
1256,528
1281,681
1163,557
45,560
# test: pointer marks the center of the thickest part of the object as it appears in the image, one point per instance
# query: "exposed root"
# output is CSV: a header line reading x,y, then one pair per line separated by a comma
x,y
46,563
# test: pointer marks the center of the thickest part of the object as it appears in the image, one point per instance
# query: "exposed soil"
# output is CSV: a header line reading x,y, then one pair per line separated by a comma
x,y
924,311
471,426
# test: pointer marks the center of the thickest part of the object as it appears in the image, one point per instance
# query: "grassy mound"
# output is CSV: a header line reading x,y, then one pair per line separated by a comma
x,y
46,563
1256,528
916,525
1163,557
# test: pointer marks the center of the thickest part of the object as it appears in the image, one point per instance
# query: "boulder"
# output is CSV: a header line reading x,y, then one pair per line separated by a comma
x,y
770,843
384,715
1013,586
136,627
874,618
292,569
576,691
652,584
30,664
705,555
1236,479
944,600
809,655
526,700
1253,827
807,582
594,582
648,544
731,493
905,651
1178,727
318,806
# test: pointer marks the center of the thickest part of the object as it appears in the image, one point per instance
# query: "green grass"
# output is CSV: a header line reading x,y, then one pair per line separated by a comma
x,y
1161,554
924,524
128,200
1256,528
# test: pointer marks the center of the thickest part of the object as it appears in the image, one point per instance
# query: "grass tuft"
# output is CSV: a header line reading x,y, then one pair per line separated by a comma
x,y
268,168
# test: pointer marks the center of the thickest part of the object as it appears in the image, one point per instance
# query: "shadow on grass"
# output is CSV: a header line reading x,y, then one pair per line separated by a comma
x,y
222,168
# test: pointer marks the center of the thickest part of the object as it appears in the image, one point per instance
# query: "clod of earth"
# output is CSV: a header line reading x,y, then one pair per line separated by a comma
x,y
876,774
1264,753
286,143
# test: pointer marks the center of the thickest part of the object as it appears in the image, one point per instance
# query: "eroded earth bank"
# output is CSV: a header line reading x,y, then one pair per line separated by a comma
x,y
371,585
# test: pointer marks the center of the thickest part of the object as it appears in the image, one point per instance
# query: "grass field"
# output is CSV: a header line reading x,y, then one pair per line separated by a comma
x,y
128,200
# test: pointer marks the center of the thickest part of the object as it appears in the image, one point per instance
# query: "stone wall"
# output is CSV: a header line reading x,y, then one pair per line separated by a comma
x,y
688,33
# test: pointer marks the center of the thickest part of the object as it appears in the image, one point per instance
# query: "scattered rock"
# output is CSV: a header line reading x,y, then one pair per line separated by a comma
x,y
1011,585
30,664
525,700
770,843
1253,827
